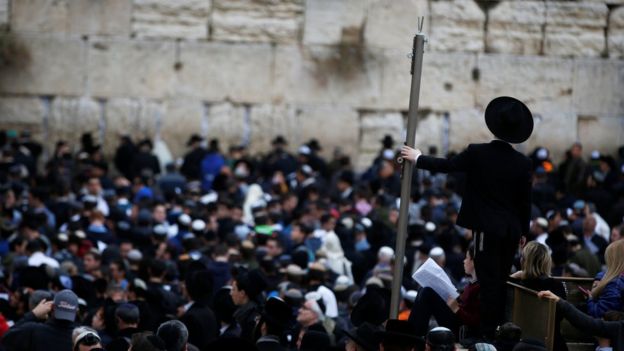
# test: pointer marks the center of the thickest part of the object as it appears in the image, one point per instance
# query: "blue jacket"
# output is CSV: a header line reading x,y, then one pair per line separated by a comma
x,y
610,298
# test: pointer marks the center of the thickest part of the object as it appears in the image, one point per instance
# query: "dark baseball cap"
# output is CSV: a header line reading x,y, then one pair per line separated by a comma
x,y
65,305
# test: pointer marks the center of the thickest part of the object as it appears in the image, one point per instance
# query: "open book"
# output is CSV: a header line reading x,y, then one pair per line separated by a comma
x,y
432,276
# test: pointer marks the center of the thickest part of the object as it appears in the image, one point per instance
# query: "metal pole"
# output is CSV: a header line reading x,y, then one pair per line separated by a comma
x,y
406,180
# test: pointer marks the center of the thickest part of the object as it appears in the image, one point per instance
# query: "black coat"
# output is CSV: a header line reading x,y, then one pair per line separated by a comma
x,y
201,324
191,168
53,335
498,187
123,339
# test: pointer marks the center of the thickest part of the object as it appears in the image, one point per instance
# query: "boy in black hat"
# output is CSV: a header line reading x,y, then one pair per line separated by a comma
x,y
497,202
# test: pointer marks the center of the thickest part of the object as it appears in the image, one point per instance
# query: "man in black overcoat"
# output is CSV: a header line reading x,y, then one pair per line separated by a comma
x,y
497,202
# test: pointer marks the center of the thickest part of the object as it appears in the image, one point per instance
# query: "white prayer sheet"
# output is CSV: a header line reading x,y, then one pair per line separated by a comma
x,y
429,274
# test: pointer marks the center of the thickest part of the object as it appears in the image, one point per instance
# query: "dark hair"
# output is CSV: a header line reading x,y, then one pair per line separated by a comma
x,y
174,335
89,339
147,341
128,313
199,285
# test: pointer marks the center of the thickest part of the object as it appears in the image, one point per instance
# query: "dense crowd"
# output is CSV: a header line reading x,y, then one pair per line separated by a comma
x,y
228,249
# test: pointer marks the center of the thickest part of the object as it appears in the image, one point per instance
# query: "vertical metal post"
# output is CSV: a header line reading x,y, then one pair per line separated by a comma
x,y
406,180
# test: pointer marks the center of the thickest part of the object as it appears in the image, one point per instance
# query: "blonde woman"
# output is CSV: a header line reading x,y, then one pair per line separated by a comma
x,y
535,275
607,292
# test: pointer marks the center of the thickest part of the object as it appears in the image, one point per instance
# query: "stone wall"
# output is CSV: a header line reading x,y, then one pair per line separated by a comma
x,y
244,71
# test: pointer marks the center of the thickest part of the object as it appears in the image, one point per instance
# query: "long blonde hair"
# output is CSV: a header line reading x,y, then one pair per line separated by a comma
x,y
614,258
536,261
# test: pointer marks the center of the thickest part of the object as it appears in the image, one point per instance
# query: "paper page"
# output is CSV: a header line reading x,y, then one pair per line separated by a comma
x,y
431,275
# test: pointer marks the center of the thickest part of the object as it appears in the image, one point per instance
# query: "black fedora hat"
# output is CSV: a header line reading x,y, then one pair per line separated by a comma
x,y
365,336
277,312
509,119
400,332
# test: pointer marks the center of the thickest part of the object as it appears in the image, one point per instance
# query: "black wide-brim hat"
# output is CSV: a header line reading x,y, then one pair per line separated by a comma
x,y
400,332
509,119
365,336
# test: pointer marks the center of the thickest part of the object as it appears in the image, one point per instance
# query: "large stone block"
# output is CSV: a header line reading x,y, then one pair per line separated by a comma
x,y
575,29
467,126
4,12
446,81
456,25
135,117
431,130
373,127
325,74
185,19
71,117
597,87
392,24
331,22
257,21
604,134
515,27
97,17
268,121
528,78
332,125
616,33
147,69
226,122
23,114
555,126
47,65
21,110
183,117
218,71
49,16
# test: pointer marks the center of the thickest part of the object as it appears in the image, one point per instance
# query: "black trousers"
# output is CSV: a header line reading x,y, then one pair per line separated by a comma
x,y
429,304
493,257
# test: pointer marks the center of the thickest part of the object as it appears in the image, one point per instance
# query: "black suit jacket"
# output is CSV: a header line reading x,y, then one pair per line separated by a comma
x,y
201,324
498,187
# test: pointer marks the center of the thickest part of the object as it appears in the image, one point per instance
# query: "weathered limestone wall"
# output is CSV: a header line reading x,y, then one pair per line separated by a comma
x,y
337,70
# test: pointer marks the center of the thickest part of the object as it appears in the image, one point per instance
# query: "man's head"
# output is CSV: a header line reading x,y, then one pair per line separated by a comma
x,y
311,311
576,151
174,334
440,339
92,261
127,316
589,226
94,186
247,286
85,339
274,247
65,305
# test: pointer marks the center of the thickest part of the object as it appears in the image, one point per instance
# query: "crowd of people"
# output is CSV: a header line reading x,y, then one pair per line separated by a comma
x,y
229,249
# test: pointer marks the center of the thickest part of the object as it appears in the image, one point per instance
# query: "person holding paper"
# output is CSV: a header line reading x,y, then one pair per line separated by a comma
x,y
497,201
448,311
